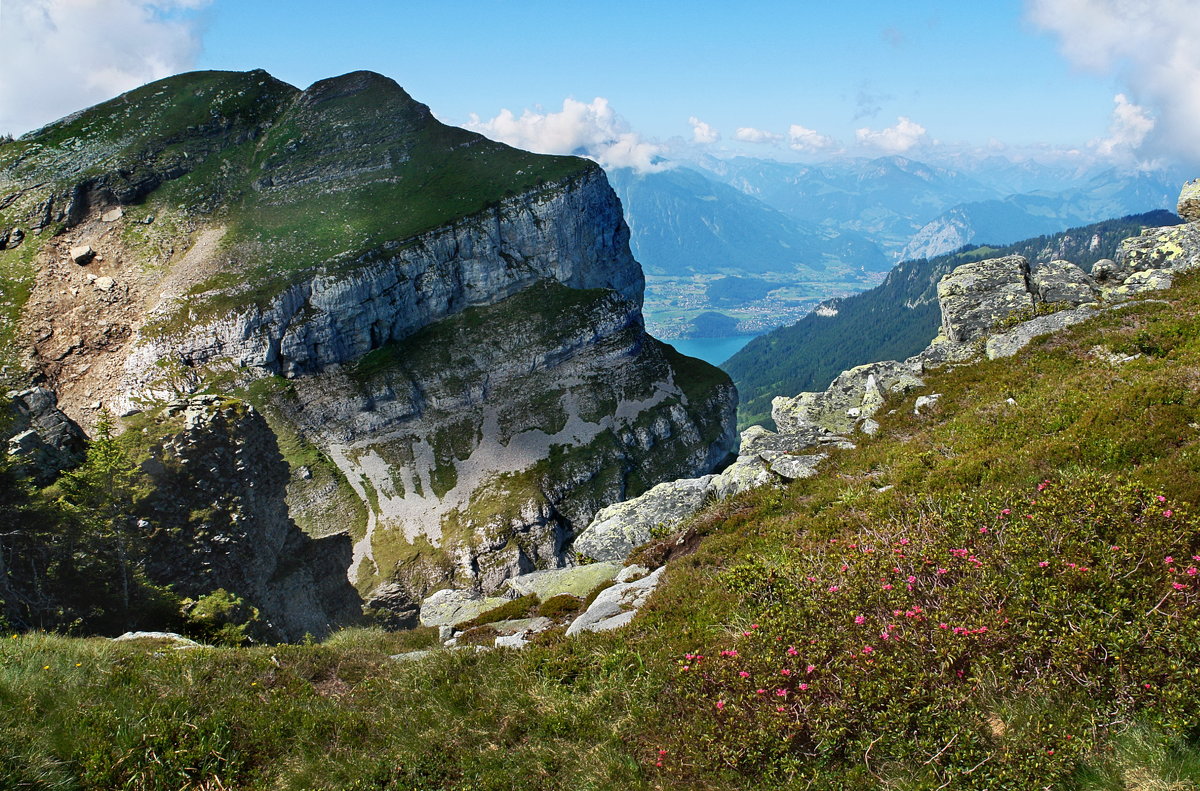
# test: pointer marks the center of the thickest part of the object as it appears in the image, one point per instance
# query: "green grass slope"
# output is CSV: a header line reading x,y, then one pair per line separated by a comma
x,y
990,595
894,320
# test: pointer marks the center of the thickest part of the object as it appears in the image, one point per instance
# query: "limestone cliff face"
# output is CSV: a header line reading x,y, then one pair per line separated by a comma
x,y
444,334
569,231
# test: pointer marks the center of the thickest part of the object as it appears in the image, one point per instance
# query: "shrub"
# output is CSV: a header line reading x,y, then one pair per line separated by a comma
x,y
516,608
561,605
221,617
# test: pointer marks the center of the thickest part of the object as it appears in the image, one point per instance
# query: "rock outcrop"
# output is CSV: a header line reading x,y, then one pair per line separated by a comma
x,y
217,502
42,440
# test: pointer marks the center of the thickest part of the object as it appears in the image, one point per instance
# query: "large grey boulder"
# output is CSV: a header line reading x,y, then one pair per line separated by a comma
x,y
450,607
1006,344
854,395
1189,201
1062,281
1175,247
746,473
616,606
791,466
617,529
575,580
978,296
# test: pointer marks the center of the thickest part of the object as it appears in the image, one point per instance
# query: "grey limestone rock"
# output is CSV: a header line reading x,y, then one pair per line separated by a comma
x,y
82,254
855,394
1062,282
1106,270
575,580
925,401
746,473
1006,344
977,296
171,636
617,529
791,466
45,441
1176,248
617,605
1139,283
450,607
1189,201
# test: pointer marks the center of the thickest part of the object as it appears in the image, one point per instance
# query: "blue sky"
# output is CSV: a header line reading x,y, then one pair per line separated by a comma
x,y
966,71
1107,77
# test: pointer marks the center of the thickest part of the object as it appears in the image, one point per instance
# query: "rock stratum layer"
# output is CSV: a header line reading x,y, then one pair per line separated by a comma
x,y
443,334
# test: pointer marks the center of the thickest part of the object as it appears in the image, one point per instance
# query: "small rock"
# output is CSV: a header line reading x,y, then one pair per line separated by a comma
x,y
112,215
445,632
149,219
512,641
83,254
924,401
631,573
172,636
870,427
105,283
1010,401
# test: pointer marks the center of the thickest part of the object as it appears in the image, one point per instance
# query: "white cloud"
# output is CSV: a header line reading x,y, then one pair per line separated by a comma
x,y
1129,127
702,132
59,56
1152,45
748,134
592,130
801,138
894,139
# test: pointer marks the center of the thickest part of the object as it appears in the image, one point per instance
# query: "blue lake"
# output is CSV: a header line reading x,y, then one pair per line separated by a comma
x,y
711,350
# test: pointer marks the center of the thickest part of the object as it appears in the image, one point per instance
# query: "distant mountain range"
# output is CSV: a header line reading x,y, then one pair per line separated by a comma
x,y
1107,194
895,319
682,221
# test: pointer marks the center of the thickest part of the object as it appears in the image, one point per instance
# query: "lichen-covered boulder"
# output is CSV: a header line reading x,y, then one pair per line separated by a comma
x,y
1006,344
976,297
1062,281
449,607
575,580
855,394
793,467
1189,201
619,528
616,606
1175,247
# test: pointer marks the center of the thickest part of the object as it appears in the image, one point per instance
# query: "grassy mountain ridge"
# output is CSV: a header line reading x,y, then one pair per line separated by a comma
x,y
896,319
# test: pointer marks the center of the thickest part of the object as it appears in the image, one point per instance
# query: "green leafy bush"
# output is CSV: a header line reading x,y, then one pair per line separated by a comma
x,y
560,605
221,617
